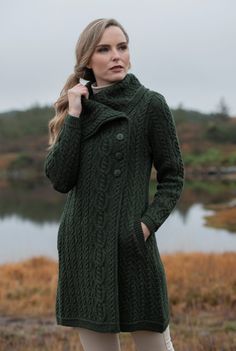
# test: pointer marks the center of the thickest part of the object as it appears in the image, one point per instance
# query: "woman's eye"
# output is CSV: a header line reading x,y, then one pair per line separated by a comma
x,y
123,47
102,49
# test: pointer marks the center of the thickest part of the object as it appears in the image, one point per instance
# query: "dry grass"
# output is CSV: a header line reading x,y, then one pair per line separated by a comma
x,y
224,218
6,159
199,281
28,287
202,291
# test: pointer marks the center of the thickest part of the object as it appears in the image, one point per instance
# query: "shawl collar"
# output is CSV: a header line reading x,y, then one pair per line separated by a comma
x,y
115,101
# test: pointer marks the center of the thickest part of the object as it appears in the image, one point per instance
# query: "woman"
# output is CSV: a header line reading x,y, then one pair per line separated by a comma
x,y
103,140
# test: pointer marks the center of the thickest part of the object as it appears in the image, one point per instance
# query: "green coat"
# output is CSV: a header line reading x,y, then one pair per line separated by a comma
x,y
109,278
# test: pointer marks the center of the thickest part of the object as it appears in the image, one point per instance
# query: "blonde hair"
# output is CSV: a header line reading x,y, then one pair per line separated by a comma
x,y
85,47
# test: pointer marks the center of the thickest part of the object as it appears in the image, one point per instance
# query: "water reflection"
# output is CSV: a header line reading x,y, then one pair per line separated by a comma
x,y
21,239
30,213
192,234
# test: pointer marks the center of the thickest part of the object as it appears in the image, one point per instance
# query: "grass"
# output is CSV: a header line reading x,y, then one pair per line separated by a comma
x,y
202,292
223,218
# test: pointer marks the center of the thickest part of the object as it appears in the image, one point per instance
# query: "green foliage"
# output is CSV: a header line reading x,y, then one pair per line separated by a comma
x,y
23,160
210,157
221,132
17,124
186,116
232,159
18,127
34,121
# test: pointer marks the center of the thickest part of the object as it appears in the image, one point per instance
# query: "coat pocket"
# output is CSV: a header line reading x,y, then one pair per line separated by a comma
x,y
139,236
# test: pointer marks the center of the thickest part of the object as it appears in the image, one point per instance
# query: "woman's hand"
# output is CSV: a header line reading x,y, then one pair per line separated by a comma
x,y
74,98
146,231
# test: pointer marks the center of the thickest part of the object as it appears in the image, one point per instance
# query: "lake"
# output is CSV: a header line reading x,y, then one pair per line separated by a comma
x,y
30,212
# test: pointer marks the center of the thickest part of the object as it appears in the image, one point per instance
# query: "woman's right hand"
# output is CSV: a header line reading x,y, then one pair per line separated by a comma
x,y
74,98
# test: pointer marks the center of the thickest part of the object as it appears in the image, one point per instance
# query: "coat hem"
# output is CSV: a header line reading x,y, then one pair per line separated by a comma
x,y
144,325
113,327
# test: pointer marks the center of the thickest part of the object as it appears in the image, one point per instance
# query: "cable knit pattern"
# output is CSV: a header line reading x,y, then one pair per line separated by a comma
x,y
109,278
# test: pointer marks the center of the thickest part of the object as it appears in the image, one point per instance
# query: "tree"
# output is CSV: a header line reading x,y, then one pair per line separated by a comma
x,y
223,110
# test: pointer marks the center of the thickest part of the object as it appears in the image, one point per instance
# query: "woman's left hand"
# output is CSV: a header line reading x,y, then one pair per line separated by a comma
x,y
146,231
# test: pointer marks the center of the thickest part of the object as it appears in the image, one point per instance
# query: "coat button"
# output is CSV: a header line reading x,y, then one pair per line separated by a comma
x,y
117,172
119,136
118,155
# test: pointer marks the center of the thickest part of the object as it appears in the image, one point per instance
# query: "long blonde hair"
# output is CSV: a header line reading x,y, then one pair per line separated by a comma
x,y
84,49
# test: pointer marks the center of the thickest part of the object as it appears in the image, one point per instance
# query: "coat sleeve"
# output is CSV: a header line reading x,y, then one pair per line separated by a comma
x,y
167,160
61,164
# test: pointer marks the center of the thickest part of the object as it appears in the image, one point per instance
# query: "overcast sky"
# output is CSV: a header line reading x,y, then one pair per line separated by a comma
x,y
184,49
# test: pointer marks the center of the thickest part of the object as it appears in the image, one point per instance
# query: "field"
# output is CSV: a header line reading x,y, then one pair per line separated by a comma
x,y
202,292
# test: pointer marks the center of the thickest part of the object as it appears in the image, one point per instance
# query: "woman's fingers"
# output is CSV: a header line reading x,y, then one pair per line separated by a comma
x,y
74,97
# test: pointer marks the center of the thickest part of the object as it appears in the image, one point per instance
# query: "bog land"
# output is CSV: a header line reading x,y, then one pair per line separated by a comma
x,y
202,292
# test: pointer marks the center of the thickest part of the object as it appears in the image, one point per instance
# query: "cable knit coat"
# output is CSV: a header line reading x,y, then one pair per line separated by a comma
x,y
109,278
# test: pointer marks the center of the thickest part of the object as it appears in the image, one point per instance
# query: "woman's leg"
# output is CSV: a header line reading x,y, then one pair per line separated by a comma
x,y
147,340
96,341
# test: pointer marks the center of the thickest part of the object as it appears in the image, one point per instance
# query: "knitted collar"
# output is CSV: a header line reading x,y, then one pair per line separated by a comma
x,y
116,101
117,95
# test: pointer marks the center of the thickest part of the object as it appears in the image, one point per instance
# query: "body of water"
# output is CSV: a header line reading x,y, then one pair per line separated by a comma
x,y
25,238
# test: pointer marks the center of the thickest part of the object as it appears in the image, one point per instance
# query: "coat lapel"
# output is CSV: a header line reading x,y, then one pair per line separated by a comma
x,y
95,114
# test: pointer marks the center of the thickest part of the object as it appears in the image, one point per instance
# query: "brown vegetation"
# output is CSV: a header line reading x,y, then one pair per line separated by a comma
x,y
202,291
224,217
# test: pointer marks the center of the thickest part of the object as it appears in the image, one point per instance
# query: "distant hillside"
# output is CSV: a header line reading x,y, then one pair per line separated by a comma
x,y
17,124
34,122
206,139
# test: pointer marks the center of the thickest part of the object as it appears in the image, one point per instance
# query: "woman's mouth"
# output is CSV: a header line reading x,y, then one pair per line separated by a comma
x,y
116,68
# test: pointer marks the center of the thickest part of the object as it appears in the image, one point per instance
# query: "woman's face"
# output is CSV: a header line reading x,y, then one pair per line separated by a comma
x,y
112,50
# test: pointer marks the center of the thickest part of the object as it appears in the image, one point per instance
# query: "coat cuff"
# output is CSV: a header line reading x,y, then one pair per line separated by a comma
x,y
72,121
150,224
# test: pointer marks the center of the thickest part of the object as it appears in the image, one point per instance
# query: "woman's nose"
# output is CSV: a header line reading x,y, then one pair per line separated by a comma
x,y
115,54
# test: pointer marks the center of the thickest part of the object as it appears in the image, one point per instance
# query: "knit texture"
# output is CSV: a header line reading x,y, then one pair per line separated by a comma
x,y
109,278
